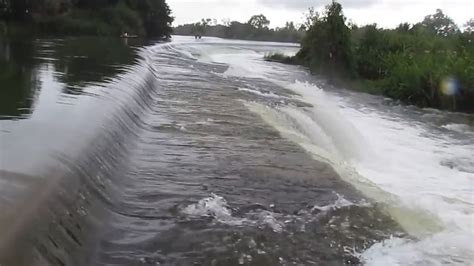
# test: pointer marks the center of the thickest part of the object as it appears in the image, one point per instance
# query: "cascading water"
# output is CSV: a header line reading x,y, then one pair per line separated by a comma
x,y
398,156
200,152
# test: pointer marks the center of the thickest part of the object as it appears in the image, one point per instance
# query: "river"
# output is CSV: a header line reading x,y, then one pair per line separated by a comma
x,y
199,152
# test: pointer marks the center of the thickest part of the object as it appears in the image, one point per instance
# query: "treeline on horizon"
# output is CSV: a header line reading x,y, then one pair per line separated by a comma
x,y
256,28
151,18
428,64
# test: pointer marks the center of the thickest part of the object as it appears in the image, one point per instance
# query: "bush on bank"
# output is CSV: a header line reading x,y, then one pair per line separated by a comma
x,y
429,64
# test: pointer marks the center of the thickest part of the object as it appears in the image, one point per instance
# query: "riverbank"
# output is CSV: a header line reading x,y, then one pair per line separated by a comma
x,y
454,100
84,18
256,29
428,64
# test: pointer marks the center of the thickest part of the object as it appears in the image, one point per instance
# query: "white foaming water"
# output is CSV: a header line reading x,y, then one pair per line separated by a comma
x,y
214,206
432,201
217,207
325,114
461,128
409,163
243,64
341,202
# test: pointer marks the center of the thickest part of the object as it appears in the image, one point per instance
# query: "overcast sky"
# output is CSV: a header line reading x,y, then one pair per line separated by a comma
x,y
386,13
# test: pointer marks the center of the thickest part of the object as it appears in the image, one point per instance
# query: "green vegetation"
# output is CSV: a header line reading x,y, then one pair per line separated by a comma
x,y
86,17
280,58
429,64
254,29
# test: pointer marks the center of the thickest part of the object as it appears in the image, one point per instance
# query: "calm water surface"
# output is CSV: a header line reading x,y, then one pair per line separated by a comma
x,y
198,152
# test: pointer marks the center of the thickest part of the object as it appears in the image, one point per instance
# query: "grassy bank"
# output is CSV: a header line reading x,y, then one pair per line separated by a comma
x,y
428,64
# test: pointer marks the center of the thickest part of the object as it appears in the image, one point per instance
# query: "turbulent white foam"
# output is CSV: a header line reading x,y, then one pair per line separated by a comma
x,y
461,128
268,218
341,202
348,141
214,206
393,162
183,52
217,207
299,127
241,64
438,249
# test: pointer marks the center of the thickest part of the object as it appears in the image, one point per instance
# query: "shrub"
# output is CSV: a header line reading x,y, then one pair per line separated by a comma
x,y
281,58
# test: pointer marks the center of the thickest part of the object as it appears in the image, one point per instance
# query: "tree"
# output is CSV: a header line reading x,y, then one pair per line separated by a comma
x,y
103,17
93,4
440,24
199,28
5,9
238,30
469,26
226,22
50,7
259,21
403,28
290,26
206,22
327,44
310,18
372,47
156,16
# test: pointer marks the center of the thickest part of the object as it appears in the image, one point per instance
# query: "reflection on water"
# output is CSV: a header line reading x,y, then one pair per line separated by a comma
x,y
75,62
18,79
86,60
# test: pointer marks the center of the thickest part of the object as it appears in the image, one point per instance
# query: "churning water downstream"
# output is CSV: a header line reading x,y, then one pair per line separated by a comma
x,y
201,153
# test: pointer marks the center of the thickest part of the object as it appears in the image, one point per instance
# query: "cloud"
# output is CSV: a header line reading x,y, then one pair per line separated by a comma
x,y
386,13
305,4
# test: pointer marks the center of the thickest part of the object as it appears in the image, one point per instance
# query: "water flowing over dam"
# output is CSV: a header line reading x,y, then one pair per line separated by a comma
x,y
199,152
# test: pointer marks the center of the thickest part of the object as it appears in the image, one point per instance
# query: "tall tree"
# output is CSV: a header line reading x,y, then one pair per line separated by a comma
x,y
440,24
259,21
310,18
469,26
5,9
156,16
327,44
